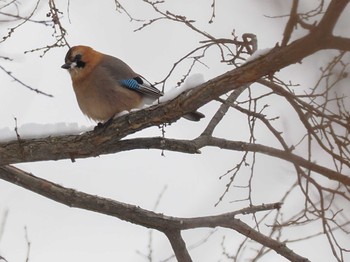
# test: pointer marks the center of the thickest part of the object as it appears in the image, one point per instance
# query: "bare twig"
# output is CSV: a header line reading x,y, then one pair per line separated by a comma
x,y
22,19
28,243
23,84
59,31
3,223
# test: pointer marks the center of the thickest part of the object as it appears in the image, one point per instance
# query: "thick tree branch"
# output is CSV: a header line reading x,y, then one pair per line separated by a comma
x,y
166,224
185,146
331,16
178,245
340,43
41,149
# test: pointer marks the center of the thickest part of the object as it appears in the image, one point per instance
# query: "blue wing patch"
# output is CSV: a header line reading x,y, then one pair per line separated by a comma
x,y
130,83
142,86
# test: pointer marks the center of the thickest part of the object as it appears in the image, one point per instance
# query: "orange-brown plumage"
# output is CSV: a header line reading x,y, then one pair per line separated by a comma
x,y
105,86
91,58
99,94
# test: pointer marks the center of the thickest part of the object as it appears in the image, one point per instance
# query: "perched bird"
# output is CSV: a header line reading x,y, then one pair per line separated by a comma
x,y
105,86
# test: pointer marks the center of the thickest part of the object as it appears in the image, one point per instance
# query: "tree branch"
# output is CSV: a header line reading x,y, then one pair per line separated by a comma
x,y
170,226
297,160
225,106
331,16
36,152
340,43
178,245
293,19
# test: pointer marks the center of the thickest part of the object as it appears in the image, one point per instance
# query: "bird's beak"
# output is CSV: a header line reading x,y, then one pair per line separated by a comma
x,y
66,66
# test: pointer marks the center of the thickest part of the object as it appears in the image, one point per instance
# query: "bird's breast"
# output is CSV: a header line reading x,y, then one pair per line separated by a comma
x,y
101,98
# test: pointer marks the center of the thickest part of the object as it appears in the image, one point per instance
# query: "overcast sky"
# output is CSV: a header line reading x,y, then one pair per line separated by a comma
x,y
59,233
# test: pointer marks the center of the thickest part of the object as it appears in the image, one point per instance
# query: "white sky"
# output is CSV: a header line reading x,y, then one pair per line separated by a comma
x,y
59,233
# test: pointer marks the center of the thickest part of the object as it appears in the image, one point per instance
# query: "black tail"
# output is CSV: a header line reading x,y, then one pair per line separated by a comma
x,y
194,116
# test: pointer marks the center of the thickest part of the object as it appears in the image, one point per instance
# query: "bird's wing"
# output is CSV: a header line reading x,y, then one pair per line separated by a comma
x,y
127,78
141,85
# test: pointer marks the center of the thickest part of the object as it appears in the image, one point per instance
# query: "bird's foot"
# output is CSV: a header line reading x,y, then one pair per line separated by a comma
x,y
100,126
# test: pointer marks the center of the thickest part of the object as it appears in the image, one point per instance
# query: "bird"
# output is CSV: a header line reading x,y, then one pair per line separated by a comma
x,y
106,86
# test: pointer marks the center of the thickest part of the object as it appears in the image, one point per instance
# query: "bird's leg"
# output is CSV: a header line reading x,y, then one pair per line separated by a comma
x,y
101,125
98,127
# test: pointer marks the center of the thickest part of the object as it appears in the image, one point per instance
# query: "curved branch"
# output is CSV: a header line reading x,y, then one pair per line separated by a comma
x,y
331,16
37,150
171,226
90,144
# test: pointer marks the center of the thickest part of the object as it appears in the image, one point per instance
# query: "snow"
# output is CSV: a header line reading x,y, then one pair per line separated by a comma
x,y
191,82
124,112
257,54
33,130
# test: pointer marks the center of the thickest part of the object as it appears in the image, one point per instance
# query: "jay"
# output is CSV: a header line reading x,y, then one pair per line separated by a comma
x,y
105,86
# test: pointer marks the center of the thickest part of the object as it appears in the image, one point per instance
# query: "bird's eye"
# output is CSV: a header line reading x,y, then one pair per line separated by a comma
x,y
77,57
78,61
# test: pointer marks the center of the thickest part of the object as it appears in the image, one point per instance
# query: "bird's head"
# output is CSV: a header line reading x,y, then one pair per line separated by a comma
x,y
79,58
